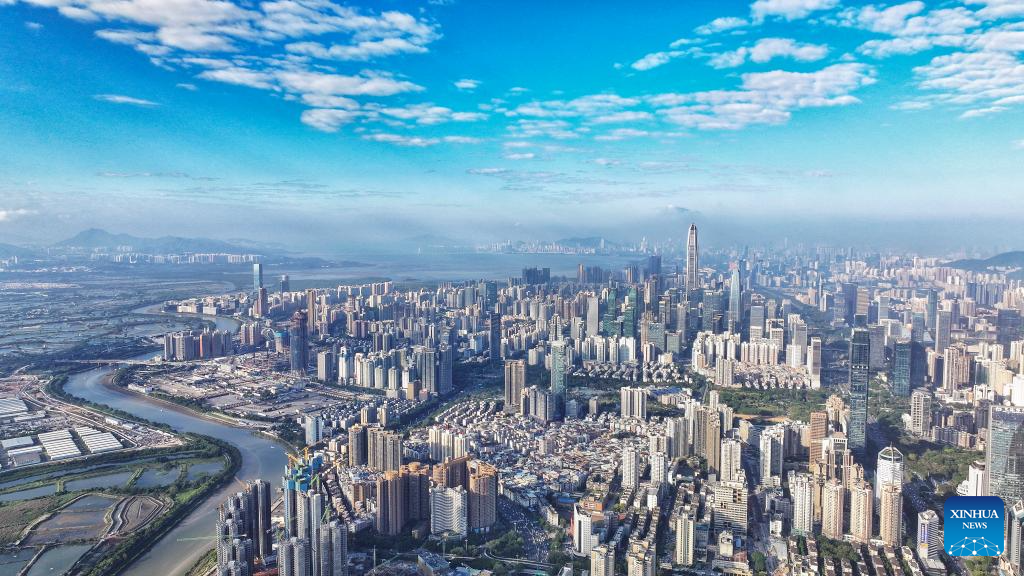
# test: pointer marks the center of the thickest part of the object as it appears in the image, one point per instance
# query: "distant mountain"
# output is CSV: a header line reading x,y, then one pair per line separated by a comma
x,y
95,238
8,250
1013,259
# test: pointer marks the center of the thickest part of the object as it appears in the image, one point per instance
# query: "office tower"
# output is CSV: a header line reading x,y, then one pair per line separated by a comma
x,y
920,412
876,337
260,305
956,368
943,330
298,342
260,497
685,523
357,445
1004,453
383,449
801,488
901,365
859,383
494,336
888,471
755,329
929,535
559,366
633,402
449,511
772,451
483,496
1008,327
891,515
326,367
593,316
293,557
311,424
931,308
692,261
814,361
730,511
679,437
817,432
712,439
515,381
862,507
257,277
602,560
735,302
832,509
391,504
731,459
630,467
849,291
583,538
286,285
311,312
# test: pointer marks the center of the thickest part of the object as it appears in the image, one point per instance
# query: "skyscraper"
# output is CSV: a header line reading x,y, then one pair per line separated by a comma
x,y
862,506
449,511
692,262
483,496
731,459
559,365
929,534
814,361
630,467
633,402
860,349
298,342
888,471
833,507
891,515
735,302
494,336
1004,453
515,381
943,330
901,363
801,487
920,412
257,277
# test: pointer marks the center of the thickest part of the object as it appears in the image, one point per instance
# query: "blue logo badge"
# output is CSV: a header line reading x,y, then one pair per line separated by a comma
x,y
973,526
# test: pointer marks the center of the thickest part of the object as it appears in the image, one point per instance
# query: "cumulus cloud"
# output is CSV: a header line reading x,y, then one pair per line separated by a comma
x,y
788,9
418,141
467,84
767,49
721,25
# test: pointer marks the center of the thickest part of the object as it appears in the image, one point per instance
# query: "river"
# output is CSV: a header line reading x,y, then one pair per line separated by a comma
x,y
263,458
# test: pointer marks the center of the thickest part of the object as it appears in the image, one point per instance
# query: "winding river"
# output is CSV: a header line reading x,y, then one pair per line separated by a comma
x,y
263,458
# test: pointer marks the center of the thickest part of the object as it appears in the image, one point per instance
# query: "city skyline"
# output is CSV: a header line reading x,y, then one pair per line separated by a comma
x,y
482,123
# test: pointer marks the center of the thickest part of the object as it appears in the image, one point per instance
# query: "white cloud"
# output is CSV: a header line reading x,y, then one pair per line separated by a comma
x,y
622,134
624,116
721,25
910,28
520,156
996,9
1019,144
765,97
366,50
911,105
788,9
311,82
767,49
418,141
129,100
328,119
241,77
8,214
982,80
186,86
467,84
655,59
428,114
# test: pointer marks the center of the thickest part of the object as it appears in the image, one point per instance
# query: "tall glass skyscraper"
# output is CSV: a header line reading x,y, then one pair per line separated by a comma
x,y
692,263
901,362
558,369
257,277
298,342
1004,453
860,353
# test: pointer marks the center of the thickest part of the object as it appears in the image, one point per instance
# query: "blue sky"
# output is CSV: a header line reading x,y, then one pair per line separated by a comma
x,y
300,120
